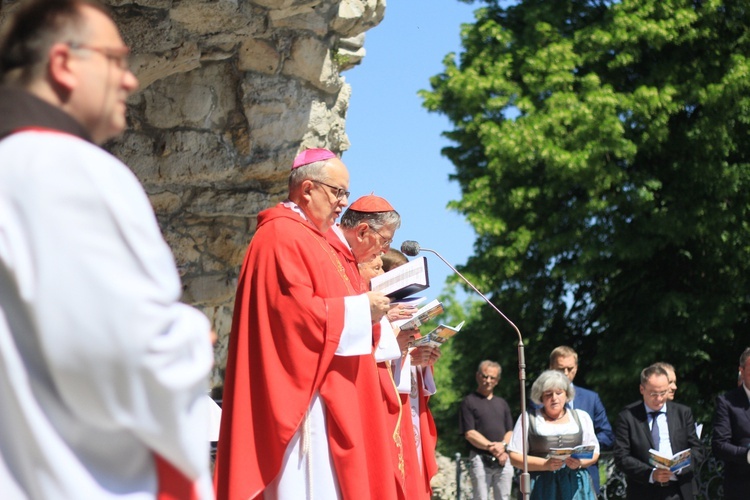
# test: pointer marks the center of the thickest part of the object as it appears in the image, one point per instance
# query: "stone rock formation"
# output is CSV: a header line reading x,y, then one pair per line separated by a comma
x,y
230,91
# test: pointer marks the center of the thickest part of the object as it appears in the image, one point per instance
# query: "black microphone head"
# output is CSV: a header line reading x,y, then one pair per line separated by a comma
x,y
410,248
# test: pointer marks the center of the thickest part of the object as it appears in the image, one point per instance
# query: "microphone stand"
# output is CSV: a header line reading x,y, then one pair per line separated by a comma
x,y
525,483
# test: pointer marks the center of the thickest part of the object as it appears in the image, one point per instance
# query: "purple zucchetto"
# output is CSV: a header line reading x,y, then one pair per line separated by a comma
x,y
312,155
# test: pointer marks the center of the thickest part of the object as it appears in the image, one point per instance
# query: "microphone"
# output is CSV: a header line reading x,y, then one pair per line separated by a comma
x,y
412,248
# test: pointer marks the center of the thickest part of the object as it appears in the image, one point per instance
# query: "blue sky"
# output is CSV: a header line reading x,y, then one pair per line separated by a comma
x,y
395,142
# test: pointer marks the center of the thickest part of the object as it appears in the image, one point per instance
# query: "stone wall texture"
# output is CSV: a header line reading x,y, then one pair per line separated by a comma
x,y
230,91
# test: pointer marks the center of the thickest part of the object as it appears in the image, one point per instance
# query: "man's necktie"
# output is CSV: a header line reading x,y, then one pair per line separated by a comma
x,y
654,428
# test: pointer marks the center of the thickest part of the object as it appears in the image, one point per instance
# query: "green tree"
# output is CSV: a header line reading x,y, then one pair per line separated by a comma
x,y
602,151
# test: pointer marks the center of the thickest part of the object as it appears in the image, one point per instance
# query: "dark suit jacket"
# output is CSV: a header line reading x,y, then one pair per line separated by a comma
x,y
588,401
633,440
731,440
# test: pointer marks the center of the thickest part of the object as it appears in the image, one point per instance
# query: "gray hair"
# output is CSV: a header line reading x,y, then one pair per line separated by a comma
x,y
551,380
744,356
487,363
312,171
376,220
666,367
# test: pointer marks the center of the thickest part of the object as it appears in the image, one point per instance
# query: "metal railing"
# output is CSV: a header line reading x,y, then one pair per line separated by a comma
x,y
708,477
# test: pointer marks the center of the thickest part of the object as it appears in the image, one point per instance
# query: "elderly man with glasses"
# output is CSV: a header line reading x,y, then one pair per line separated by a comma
x,y
654,422
487,424
366,231
302,399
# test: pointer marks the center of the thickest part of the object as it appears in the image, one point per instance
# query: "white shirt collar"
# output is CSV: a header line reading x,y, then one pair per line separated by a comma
x,y
294,208
649,409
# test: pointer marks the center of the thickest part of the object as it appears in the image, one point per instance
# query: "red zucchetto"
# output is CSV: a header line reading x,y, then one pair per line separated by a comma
x,y
371,203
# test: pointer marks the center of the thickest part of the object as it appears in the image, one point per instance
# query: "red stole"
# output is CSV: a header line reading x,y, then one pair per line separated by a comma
x,y
418,478
383,439
173,485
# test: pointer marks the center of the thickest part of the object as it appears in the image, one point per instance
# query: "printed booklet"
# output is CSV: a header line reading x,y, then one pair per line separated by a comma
x,y
580,452
678,461
423,315
437,336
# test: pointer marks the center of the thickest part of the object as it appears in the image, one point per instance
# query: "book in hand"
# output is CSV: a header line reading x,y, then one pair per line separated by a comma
x,y
409,301
423,315
581,452
437,336
404,280
678,461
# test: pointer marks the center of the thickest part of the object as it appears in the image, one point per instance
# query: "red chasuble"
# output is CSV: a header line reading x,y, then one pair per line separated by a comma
x,y
288,319
383,442
418,478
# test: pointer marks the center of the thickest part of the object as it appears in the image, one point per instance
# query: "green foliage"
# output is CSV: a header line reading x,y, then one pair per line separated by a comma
x,y
602,151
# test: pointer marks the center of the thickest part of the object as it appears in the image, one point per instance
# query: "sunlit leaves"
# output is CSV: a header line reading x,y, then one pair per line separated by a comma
x,y
602,150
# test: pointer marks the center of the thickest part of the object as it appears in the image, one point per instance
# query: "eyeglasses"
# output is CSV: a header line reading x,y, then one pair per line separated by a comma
x,y
119,55
386,241
658,394
488,377
340,193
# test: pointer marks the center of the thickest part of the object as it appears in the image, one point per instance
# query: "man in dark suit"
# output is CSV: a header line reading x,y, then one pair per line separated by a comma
x,y
565,359
731,439
635,435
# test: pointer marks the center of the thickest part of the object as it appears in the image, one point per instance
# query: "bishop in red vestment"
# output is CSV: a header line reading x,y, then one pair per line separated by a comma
x,y
300,355
372,219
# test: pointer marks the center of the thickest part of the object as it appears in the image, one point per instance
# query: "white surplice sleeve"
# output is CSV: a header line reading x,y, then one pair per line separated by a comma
x,y
356,337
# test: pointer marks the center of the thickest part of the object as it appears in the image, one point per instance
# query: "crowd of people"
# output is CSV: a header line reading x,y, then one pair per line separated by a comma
x,y
104,371
345,413
567,427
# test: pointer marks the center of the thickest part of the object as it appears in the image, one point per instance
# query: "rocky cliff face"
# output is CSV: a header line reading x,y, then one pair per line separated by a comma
x,y
230,91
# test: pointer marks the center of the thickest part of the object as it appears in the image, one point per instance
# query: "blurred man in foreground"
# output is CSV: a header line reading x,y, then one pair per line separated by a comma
x,y
102,367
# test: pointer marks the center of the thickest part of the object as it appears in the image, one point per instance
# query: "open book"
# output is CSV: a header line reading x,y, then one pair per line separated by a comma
x,y
581,452
678,461
404,280
409,301
423,315
437,336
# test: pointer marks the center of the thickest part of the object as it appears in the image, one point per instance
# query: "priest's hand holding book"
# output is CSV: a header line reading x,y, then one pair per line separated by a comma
x,y
379,306
405,337
400,311
425,355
